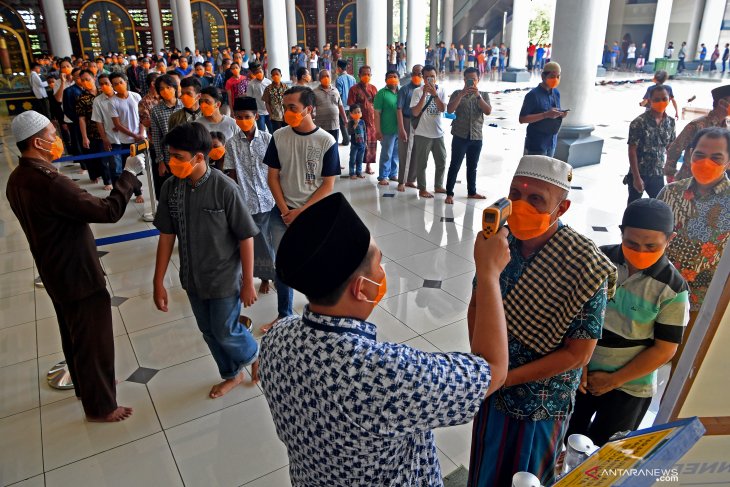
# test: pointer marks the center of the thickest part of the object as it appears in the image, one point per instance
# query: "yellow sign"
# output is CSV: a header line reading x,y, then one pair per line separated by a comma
x,y
615,460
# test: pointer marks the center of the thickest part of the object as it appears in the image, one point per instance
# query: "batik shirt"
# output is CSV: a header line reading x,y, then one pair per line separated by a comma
x,y
84,105
702,224
354,411
274,96
651,141
683,142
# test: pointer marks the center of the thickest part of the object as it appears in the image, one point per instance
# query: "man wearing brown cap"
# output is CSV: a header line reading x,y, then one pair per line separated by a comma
x,y
353,411
55,213
683,143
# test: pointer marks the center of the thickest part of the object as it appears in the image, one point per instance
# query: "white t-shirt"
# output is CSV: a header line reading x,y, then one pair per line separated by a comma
x,y
227,126
430,124
313,61
101,111
256,89
127,109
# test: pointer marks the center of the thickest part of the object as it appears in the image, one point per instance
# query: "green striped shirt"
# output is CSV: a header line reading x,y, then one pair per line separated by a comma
x,y
651,304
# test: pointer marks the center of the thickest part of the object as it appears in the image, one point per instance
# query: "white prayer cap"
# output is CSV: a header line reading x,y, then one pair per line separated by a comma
x,y
132,57
544,168
28,124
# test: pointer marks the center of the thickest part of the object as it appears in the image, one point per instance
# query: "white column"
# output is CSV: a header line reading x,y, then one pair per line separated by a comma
x,y
153,16
275,28
661,28
580,27
371,36
448,22
416,39
58,35
245,30
389,21
694,30
711,23
403,11
291,23
187,35
175,24
321,24
433,28
518,39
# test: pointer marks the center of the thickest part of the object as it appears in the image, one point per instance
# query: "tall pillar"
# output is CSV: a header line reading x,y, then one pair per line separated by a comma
x,y
403,10
695,19
175,24
580,28
291,23
447,25
416,39
244,30
433,24
661,28
153,16
389,21
711,24
518,41
321,24
7,67
187,34
275,29
371,36
58,35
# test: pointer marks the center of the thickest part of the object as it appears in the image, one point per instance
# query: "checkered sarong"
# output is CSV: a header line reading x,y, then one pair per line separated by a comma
x,y
563,276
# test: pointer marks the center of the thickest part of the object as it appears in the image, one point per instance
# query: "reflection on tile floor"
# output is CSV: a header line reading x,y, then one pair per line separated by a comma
x,y
178,436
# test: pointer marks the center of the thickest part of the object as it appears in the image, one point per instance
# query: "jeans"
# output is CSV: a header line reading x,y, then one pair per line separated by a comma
x,y
276,125
460,148
388,157
652,186
105,163
284,294
451,66
264,123
680,65
461,65
549,151
231,344
118,166
724,62
357,154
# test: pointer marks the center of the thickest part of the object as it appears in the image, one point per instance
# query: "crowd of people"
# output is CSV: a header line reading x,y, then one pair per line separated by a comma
x,y
244,171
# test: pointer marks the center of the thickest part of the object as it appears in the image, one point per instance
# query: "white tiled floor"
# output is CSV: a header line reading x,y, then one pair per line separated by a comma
x,y
178,436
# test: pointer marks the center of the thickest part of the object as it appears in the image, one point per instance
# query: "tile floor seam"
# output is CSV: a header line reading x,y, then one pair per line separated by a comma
x,y
38,372
164,431
208,414
265,475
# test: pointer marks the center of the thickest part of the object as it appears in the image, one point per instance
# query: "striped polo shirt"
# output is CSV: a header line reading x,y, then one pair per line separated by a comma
x,y
651,304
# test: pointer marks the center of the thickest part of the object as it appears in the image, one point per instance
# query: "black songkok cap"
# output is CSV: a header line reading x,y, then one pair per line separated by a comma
x,y
245,103
649,214
720,92
322,247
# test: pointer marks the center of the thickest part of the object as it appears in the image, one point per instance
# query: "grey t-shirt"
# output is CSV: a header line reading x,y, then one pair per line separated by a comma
x,y
209,219
227,126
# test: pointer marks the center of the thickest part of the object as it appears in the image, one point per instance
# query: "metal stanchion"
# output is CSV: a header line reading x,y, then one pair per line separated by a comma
x,y
59,377
150,215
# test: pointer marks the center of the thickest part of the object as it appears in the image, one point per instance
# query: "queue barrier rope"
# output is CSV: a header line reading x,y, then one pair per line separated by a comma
x,y
96,155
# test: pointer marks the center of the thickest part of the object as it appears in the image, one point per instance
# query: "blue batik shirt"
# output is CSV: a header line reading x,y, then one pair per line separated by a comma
x,y
551,398
357,412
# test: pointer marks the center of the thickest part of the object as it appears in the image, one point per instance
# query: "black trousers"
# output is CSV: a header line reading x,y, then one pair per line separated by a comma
x,y
335,134
157,180
88,346
343,129
615,411
652,186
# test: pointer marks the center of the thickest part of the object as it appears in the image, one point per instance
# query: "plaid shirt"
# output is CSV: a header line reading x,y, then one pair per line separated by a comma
x,y
651,141
702,223
160,119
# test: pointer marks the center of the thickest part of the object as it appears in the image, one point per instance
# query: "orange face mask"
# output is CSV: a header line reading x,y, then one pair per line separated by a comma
x,y
659,106
93,69
235,71
180,169
552,82
391,81
66,70
187,101
107,90
706,171
259,76
365,78
121,90
56,149
217,152
167,94
246,124
88,85
200,72
325,81
206,109
416,80
293,119
641,260
356,116
276,78
382,289
526,222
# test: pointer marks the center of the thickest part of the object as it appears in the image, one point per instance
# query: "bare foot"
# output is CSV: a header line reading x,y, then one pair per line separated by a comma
x,y
368,170
361,176
255,372
449,200
383,182
268,326
353,177
220,390
264,287
108,187
139,199
425,194
411,185
439,190
476,196
401,187
119,414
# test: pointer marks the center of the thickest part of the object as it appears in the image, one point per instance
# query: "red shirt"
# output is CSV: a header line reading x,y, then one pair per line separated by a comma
x,y
531,50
